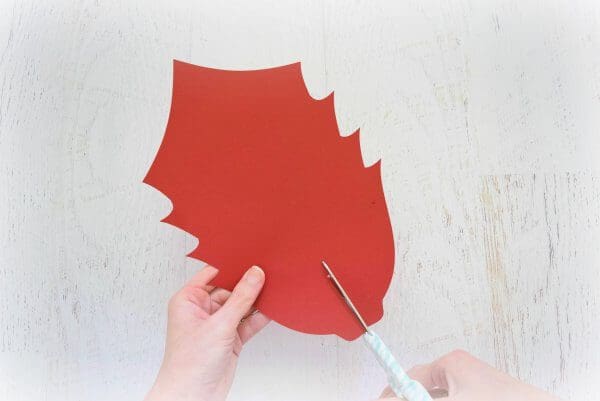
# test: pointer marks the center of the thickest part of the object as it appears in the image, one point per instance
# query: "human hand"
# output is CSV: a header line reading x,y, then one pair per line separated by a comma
x,y
206,330
461,377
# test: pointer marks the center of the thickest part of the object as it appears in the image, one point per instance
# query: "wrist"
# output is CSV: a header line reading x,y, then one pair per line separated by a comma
x,y
166,388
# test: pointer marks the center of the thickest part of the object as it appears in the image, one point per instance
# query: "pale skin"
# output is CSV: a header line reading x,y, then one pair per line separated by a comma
x,y
462,377
208,327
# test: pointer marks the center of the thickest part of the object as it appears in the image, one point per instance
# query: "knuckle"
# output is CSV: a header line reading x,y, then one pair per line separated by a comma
x,y
418,368
457,357
460,354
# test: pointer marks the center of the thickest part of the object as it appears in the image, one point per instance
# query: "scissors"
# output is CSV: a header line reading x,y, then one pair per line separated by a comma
x,y
399,381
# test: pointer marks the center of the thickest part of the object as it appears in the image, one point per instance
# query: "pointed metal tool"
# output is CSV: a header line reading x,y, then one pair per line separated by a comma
x,y
404,387
344,295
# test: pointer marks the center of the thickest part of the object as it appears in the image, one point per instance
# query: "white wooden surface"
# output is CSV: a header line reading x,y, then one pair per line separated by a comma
x,y
486,115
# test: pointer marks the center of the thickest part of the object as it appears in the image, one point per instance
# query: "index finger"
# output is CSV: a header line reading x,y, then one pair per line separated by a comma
x,y
445,375
202,278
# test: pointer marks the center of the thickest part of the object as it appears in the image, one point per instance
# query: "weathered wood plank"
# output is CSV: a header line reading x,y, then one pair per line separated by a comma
x,y
485,114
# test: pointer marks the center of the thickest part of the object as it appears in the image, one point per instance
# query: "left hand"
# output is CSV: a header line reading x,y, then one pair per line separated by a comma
x,y
206,330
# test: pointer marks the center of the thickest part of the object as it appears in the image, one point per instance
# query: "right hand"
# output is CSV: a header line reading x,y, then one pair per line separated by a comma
x,y
466,378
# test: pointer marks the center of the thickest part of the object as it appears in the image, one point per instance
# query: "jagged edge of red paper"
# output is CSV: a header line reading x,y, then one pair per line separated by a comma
x,y
355,136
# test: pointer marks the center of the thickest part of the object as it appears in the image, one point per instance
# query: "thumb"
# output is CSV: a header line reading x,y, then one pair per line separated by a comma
x,y
242,297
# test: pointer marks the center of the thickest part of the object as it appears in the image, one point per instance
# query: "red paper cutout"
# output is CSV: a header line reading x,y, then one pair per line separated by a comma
x,y
257,171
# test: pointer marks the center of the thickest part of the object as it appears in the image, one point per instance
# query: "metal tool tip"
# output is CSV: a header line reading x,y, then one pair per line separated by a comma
x,y
345,296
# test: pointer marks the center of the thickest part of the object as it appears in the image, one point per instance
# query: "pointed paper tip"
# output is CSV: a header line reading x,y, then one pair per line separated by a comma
x,y
376,166
178,64
195,253
148,178
297,66
355,136
168,218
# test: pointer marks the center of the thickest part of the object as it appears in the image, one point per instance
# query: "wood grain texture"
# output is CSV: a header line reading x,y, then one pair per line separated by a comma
x,y
485,114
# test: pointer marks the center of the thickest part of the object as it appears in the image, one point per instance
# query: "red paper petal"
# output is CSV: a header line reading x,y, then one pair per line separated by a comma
x,y
257,171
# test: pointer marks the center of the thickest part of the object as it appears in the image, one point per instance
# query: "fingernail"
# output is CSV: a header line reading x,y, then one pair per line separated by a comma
x,y
254,275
